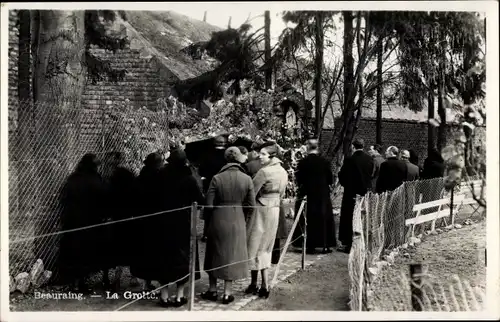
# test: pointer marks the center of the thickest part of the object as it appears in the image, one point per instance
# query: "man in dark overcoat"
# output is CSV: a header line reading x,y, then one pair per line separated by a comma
x,y
356,177
413,172
314,179
393,172
209,167
376,153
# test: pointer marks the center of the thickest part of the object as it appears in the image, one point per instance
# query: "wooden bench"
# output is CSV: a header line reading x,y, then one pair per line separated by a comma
x,y
441,213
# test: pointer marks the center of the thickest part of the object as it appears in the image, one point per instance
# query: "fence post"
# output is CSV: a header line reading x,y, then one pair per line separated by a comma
x,y
288,241
416,286
452,217
304,239
192,255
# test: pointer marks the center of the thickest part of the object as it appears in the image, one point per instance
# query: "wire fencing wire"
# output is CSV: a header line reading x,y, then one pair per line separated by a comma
x,y
166,212
431,293
379,227
45,144
208,270
25,242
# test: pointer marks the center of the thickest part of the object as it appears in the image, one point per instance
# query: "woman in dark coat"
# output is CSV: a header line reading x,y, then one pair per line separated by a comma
x,y
231,188
120,202
82,201
179,189
148,202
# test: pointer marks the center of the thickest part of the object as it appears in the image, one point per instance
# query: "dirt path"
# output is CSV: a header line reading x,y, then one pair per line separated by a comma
x,y
322,286
459,252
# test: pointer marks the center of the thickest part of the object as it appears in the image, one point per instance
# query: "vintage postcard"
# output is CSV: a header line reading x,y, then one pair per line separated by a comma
x,y
249,160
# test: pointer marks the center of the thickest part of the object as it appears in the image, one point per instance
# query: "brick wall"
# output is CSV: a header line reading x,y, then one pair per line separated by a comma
x,y
403,134
144,83
13,76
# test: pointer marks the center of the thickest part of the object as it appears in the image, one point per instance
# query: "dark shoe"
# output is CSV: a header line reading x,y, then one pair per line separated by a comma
x,y
226,299
311,251
179,302
252,289
264,292
204,239
209,296
164,303
326,251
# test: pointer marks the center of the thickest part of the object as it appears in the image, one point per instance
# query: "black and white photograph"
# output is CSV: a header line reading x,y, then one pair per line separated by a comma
x,y
249,156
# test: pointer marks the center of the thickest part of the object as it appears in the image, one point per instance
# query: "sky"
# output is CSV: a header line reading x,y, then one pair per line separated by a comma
x,y
220,18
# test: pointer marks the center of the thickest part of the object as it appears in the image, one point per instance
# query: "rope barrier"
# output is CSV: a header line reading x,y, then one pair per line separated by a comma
x,y
208,270
135,218
96,225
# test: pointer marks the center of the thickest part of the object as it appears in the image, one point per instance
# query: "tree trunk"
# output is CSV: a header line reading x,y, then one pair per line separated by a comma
x,y
441,142
59,83
267,41
319,68
59,71
35,34
441,94
24,138
349,89
430,129
24,62
380,88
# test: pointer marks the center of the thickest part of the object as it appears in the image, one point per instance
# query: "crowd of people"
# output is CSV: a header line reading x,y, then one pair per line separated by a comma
x,y
240,194
363,171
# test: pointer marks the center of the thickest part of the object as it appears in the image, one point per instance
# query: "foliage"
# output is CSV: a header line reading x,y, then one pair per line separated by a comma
x,y
429,39
237,52
252,113
466,157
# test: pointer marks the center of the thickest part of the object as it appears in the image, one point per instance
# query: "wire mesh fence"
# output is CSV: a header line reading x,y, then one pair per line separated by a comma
x,y
45,145
380,227
192,256
424,292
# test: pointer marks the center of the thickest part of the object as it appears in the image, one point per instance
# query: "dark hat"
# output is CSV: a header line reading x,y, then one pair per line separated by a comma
x,y
177,156
153,159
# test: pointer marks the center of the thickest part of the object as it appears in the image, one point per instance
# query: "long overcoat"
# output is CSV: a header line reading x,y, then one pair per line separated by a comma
x,y
121,204
172,232
82,200
230,189
148,202
356,176
314,177
270,184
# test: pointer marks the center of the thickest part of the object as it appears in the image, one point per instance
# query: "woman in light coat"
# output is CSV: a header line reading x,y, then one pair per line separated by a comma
x,y
269,184
226,257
